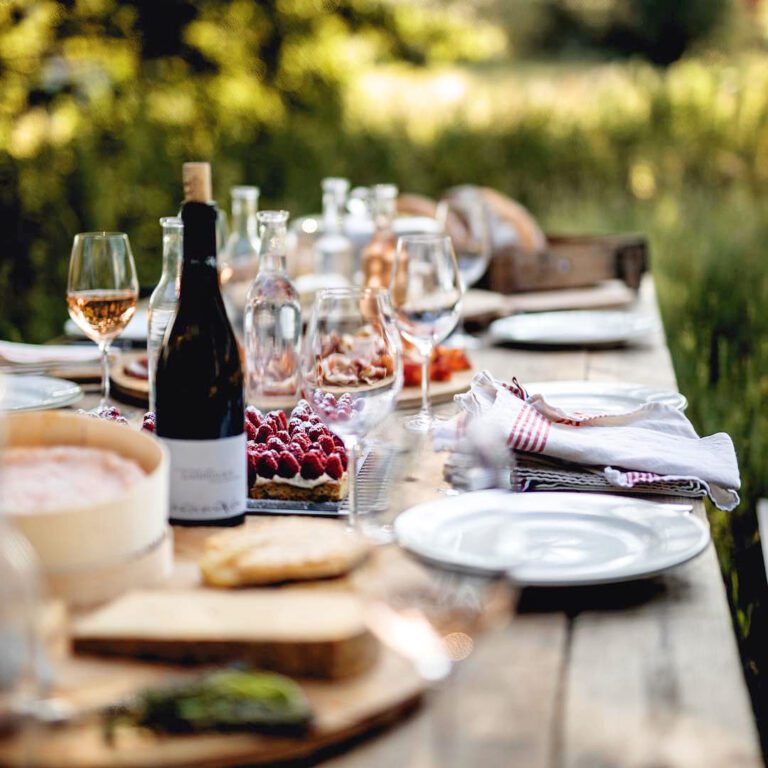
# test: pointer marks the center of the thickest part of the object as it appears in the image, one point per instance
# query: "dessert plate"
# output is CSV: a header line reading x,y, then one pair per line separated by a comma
x,y
592,397
573,328
375,475
37,393
553,539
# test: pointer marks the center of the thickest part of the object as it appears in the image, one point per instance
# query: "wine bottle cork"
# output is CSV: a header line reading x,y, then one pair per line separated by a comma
x,y
197,182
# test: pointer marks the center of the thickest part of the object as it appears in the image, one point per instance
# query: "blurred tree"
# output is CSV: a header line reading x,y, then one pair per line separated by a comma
x,y
658,30
101,101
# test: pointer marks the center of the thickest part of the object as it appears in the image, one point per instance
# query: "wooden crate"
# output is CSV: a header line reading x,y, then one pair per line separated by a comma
x,y
570,261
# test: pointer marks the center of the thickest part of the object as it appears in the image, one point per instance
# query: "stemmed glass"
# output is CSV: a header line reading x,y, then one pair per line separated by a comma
x,y
426,288
352,368
102,291
465,218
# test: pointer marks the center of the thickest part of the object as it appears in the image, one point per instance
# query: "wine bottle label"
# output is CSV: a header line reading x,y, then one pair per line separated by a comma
x,y
209,478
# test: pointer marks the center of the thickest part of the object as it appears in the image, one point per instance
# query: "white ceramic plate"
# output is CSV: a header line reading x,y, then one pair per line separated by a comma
x,y
603,396
573,328
553,539
36,393
136,330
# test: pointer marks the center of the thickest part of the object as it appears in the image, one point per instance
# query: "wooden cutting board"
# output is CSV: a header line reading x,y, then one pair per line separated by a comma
x,y
342,710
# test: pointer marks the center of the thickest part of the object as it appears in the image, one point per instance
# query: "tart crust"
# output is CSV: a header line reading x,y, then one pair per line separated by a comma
x,y
333,490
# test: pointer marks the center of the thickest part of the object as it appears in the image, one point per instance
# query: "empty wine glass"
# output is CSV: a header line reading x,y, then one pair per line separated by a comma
x,y
426,288
465,218
102,291
352,368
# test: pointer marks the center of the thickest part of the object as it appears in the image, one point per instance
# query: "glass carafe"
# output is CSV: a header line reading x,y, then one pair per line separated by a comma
x,y
162,303
378,255
272,323
240,258
333,252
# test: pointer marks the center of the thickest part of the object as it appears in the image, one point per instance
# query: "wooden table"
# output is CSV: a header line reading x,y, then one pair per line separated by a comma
x,y
641,674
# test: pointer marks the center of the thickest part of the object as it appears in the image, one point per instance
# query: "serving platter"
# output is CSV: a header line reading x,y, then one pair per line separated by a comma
x,y
553,539
24,392
611,397
136,390
348,698
580,328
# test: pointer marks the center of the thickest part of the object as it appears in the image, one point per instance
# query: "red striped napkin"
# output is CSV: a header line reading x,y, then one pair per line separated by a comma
x,y
652,445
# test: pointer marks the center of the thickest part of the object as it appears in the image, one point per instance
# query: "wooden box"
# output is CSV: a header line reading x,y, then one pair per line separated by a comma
x,y
570,261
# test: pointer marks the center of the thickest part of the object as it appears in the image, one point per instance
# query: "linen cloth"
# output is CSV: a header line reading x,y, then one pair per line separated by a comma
x,y
47,354
651,449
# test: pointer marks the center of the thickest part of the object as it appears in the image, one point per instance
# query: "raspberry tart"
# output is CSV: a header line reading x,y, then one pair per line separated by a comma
x,y
294,458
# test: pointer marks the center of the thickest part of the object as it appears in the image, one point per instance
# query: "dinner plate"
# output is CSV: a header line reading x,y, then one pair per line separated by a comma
x,y
591,397
36,393
553,539
573,328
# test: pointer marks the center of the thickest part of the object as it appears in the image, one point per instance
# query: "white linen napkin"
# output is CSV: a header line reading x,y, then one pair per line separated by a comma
x,y
654,445
47,354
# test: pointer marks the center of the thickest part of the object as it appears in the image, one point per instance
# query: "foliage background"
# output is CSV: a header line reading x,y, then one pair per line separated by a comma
x,y
600,115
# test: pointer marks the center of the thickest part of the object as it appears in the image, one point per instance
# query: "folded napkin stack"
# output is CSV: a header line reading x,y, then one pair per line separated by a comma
x,y
653,449
14,354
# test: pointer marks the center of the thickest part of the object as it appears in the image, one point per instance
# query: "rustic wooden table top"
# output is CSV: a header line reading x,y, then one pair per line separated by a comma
x,y
639,674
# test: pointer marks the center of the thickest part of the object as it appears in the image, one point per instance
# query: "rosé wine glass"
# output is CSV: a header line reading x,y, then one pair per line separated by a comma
x,y
352,368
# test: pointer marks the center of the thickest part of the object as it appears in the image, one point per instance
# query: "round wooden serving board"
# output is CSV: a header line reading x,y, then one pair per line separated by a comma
x,y
313,626
136,391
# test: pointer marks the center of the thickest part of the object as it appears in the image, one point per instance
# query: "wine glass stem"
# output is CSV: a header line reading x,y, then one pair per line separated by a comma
x,y
426,359
104,349
352,444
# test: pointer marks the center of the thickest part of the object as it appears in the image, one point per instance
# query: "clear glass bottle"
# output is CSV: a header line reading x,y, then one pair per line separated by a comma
x,y
333,252
272,323
23,670
378,255
162,303
240,258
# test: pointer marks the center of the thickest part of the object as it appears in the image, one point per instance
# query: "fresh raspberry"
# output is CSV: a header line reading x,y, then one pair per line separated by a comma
x,y
254,416
345,399
294,424
337,441
250,430
316,432
302,439
333,467
149,423
329,400
312,465
287,466
296,450
256,448
266,464
314,419
279,418
275,444
302,411
343,455
263,433
284,436
327,444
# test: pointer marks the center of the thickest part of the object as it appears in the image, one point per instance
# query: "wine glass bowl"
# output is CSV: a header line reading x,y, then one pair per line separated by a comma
x,y
464,216
352,366
102,290
427,290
